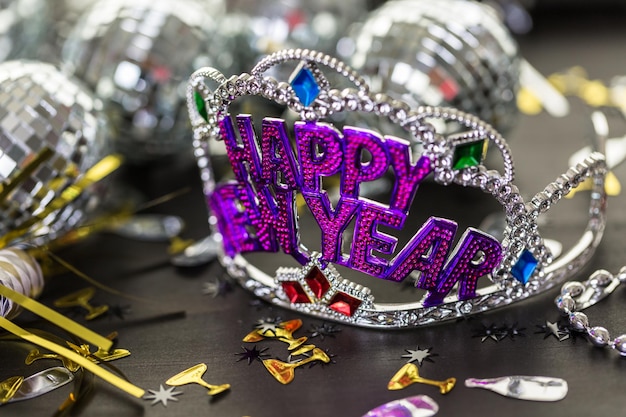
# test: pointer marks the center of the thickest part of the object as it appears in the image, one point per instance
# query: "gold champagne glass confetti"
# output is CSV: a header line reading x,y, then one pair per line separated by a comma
x,y
281,331
35,354
81,298
284,372
409,374
193,375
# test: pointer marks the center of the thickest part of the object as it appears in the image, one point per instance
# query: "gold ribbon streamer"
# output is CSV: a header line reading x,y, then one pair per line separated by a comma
x,y
112,379
101,169
19,177
56,318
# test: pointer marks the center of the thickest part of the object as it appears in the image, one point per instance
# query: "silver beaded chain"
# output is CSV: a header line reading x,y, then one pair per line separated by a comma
x,y
576,296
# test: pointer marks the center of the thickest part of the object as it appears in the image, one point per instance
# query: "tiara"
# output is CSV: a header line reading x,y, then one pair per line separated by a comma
x,y
257,210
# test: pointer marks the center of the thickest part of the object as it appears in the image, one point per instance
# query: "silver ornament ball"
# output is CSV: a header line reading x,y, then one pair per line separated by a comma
x,y
137,56
620,344
303,24
599,336
41,108
23,26
441,53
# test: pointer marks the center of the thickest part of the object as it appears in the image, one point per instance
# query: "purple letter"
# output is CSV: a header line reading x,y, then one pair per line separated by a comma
x,y
320,153
426,252
332,223
477,254
408,176
233,223
243,153
274,218
355,171
277,156
367,238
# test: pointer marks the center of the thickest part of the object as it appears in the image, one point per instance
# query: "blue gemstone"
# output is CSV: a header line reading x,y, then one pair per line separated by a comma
x,y
524,267
305,86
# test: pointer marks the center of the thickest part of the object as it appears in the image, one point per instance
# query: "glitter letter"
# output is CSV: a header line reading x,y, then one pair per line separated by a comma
x,y
233,223
332,223
367,238
357,171
408,176
476,254
244,153
426,252
320,153
277,222
277,156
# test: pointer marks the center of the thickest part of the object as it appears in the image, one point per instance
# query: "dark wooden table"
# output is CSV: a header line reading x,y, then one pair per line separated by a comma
x,y
210,329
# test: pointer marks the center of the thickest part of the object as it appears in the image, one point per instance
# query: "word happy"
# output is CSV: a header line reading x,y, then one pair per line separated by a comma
x,y
257,210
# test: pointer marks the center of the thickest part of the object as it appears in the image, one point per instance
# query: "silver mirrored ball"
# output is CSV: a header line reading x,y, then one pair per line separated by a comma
x,y
441,53
41,108
137,56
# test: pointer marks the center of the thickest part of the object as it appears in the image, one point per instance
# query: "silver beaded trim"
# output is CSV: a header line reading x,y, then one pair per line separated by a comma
x,y
520,234
576,296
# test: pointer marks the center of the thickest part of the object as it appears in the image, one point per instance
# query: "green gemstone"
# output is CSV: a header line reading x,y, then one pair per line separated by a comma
x,y
469,154
200,105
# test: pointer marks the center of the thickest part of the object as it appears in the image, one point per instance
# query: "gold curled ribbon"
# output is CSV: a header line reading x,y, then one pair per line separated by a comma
x,y
56,318
112,379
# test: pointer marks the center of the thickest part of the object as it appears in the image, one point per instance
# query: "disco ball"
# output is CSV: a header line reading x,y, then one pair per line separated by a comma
x,y
63,17
52,131
137,57
269,25
23,24
440,53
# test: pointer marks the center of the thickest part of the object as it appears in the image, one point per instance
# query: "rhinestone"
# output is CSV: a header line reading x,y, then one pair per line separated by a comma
x,y
469,154
524,267
200,105
344,304
294,291
465,308
305,86
317,282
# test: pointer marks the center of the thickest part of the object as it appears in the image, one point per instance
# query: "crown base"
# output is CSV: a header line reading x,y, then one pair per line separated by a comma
x,y
415,314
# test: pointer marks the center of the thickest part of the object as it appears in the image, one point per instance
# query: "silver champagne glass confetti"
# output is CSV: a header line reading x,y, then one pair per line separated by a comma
x,y
531,388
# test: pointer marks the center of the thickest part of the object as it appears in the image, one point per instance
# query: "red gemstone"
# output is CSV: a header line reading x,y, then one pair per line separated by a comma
x,y
295,292
317,282
344,303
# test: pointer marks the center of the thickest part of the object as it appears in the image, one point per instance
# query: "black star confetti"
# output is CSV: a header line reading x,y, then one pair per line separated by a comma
x,y
419,355
323,330
513,331
573,334
217,287
490,332
252,354
162,395
553,329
